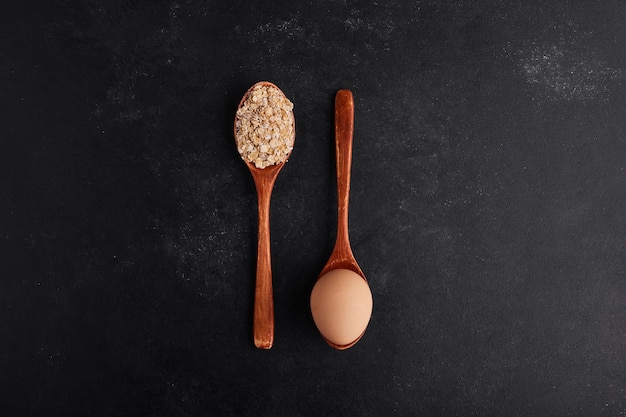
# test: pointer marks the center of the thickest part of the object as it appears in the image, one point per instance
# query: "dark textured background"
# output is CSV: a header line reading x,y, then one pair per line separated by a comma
x,y
487,208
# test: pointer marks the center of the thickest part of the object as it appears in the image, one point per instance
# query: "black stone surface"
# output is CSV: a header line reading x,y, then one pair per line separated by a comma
x,y
487,208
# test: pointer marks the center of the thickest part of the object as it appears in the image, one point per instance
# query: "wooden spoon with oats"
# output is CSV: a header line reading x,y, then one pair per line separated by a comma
x,y
264,133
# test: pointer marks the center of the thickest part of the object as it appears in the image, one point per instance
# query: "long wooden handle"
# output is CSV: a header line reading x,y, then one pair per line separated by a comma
x,y
344,128
263,319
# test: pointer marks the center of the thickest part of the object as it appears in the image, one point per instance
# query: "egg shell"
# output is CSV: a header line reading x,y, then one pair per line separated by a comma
x,y
341,305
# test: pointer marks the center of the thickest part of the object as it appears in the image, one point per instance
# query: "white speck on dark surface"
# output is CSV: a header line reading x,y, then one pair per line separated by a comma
x,y
567,69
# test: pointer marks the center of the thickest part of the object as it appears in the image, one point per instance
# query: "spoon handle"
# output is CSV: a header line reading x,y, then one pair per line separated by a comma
x,y
344,128
263,326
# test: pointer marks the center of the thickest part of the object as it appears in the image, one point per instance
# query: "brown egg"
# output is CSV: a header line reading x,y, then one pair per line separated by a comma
x,y
341,304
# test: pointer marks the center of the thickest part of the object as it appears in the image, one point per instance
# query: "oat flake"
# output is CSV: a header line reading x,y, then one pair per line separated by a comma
x,y
264,126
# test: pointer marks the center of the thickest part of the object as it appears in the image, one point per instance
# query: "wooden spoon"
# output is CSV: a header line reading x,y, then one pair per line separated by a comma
x,y
342,257
264,179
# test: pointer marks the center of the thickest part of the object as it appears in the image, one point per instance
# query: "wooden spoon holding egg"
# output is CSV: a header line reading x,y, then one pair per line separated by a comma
x,y
341,300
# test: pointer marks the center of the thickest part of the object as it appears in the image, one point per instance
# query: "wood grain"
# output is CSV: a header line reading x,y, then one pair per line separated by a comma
x,y
263,319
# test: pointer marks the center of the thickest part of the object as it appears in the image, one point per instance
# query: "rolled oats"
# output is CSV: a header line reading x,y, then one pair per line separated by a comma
x,y
264,126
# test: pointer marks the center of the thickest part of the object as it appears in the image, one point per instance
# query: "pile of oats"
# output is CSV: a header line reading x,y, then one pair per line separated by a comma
x,y
264,127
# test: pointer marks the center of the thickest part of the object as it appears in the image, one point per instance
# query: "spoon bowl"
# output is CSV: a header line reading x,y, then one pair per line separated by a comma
x,y
264,179
341,306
